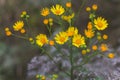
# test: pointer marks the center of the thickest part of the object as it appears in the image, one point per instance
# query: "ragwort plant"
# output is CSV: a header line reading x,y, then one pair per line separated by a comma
x,y
85,46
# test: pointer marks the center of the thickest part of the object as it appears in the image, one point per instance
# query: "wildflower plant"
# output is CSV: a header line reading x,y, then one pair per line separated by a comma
x,y
84,46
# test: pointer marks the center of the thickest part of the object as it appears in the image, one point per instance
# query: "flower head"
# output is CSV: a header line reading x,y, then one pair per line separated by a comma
x,y
94,47
61,38
57,9
22,31
111,55
41,39
45,12
72,31
89,26
68,4
51,43
100,23
103,47
8,33
88,9
94,7
68,18
18,25
45,21
105,36
84,52
89,33
78,40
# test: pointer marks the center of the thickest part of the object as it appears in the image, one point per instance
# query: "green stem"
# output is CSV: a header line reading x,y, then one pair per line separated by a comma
x,y
49,29
20,36
71,61
29,31
54,61
85,61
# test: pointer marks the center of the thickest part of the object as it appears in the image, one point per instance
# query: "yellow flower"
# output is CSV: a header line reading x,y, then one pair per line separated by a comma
x,y
111,55
100,23
72,31
89,26
68,18
51,42
22,31
18,25
89,33
8,33
24,13
61,38
103,47
57,9
43,77
88,9
41,39
45,21
105,36
78,40
84,52
99,37
45,12
94,7
68,4
31,40
50,19
7,29
94,47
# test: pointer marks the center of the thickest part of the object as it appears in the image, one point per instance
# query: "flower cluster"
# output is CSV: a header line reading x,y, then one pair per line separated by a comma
x,y
88,44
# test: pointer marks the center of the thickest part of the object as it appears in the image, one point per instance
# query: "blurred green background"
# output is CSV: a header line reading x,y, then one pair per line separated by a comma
x,y
16,53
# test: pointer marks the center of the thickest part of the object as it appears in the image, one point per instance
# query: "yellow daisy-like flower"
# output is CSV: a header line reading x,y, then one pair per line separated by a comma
x,y
43,77
84,52
111,55
105,36
78,40
68,18
103,47
89,33
94,7
94,47
89,26
18,25
45,12
68,4
51,43
41,39
57,9
24,13
100,23
88,9
72,31
45,21
61,38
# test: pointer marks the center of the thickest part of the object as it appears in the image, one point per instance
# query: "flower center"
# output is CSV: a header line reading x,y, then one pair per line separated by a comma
x,y
62,39
100,24
43,41
78,41
57,11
